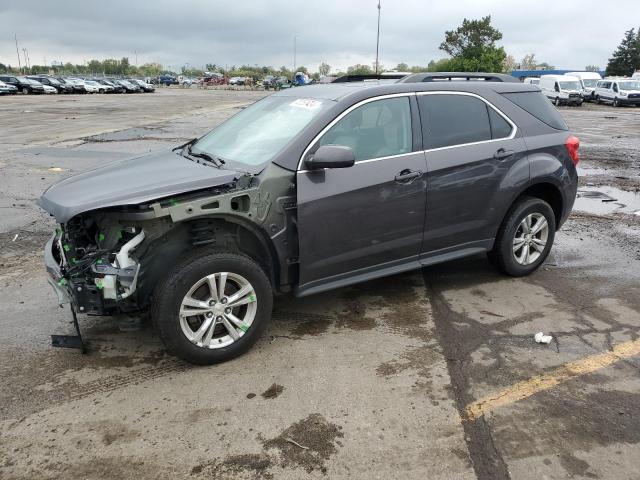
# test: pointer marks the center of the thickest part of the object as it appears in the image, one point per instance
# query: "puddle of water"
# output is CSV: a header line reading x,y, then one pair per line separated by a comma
x,y
606,200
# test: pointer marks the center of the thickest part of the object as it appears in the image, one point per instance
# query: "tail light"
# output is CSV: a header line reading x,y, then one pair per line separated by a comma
x,y
573,144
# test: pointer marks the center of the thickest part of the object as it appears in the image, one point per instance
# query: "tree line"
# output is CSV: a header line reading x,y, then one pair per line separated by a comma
x,y
471,47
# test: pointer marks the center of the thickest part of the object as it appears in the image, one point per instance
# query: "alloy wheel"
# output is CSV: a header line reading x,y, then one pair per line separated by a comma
x,y
530,238
218,310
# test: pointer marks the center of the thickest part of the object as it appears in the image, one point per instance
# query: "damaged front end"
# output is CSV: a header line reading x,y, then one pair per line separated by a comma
x,y
91,263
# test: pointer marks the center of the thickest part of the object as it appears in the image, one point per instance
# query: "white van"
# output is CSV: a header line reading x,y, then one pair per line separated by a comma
x,y
636,74
562,89
588,81
618,91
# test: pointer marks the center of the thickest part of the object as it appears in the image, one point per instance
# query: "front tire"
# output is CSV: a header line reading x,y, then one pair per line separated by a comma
x,y
525,237
557,102
212,307
616,102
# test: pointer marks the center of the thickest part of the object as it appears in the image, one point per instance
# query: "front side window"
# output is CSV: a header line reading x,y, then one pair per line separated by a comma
x,y
381,128
449,120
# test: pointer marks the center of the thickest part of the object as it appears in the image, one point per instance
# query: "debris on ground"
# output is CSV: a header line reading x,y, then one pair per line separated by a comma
x,y
540,337
273,391
296,443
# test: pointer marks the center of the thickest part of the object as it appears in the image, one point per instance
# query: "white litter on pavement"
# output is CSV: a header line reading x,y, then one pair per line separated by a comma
x,y
542,338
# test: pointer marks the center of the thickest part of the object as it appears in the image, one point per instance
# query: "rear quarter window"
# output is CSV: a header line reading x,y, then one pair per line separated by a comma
x,y
537,105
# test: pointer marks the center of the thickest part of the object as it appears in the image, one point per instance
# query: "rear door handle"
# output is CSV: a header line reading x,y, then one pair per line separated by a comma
x,y
406,176
502,153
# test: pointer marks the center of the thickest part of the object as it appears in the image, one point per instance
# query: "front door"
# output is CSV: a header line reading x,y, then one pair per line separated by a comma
x,y
368,217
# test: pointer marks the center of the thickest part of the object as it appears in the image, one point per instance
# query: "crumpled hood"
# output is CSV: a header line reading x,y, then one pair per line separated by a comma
x,y
129,182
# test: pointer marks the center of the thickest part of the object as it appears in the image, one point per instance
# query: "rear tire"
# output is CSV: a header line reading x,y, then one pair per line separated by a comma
x,y
508,253
219,343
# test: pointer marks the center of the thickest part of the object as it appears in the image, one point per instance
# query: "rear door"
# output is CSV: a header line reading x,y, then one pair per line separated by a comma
x,y
471,147
368,217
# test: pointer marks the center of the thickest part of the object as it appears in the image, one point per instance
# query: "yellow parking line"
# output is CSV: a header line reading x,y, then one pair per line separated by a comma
x,y
545,381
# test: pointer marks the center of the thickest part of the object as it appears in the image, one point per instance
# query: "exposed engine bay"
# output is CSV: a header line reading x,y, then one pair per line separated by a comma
x,y
109,260
97,262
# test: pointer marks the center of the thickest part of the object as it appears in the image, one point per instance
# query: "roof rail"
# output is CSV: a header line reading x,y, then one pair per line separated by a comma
x,y
369,76
458,76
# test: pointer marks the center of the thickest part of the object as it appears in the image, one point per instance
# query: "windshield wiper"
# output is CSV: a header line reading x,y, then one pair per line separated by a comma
x,y
184,145
217,161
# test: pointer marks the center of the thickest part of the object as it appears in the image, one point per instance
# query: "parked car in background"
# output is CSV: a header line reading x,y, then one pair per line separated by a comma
x,y
130,87
146,87
48,89
636,75
93,87
77,84
104,88
332,192
115,88
237,80
562,89
52,82
167,80
6,89
532,81
283,82
618,91
269,82
588,82
23,84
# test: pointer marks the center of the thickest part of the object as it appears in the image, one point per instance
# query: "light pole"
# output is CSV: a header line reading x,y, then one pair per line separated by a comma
x,y
378,38
294,54
18,53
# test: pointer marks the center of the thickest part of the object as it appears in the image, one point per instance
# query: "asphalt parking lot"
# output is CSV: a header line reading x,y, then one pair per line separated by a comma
x,y
431,374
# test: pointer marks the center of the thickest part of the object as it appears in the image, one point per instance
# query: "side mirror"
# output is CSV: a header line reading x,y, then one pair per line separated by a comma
x,y
331,156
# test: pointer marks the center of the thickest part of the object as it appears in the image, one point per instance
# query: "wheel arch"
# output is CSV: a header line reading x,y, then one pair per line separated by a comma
x,y
544,190
215,232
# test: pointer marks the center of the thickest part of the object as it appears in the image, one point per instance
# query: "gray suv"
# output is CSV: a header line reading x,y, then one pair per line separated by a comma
x,y
311,189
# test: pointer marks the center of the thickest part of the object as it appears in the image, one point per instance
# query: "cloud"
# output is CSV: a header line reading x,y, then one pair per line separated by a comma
x,y
338,32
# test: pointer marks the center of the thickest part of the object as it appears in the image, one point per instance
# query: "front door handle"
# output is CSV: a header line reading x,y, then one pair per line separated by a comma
x,y
502,154
407,176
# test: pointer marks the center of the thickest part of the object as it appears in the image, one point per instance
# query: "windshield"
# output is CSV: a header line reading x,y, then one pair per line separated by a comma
x,y
631,85
569,85
256,134
590,82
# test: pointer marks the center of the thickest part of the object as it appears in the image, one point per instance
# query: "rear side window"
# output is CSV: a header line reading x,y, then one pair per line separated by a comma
x,y
536,104
500,128
449,120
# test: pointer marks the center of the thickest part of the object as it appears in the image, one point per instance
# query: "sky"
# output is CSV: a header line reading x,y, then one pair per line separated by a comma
x,y
338,32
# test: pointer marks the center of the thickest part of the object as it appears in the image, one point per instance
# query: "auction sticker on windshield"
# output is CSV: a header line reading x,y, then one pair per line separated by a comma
x,y
309,103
